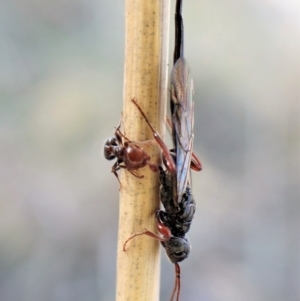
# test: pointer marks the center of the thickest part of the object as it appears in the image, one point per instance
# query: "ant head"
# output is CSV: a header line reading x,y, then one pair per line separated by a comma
x,y
177,248
110,148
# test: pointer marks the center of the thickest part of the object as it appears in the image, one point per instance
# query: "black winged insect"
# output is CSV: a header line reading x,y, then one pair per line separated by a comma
x,y
175,191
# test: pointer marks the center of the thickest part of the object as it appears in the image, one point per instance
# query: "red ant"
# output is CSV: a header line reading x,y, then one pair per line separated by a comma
x,y
131,156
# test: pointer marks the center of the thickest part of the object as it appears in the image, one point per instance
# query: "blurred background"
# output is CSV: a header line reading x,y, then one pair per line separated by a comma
x,y
61,81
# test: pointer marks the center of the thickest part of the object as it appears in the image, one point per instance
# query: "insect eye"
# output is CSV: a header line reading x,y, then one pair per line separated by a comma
x,y
113,141
109,153
179,254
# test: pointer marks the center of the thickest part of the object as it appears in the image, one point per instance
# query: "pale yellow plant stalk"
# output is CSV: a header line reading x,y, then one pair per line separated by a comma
x,y
145,78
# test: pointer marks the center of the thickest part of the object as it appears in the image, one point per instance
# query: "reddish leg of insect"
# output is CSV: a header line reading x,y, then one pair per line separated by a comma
x,y
118,166
195,163
169,160
153,167
165,231
133,172
118,133
145,232
119,136
144,143
114,170
177,283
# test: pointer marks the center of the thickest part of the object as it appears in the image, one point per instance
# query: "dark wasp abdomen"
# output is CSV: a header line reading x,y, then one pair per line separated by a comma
x,y
179,222
177,218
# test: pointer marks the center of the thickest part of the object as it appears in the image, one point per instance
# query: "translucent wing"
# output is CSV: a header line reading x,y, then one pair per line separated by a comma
x,y
182,115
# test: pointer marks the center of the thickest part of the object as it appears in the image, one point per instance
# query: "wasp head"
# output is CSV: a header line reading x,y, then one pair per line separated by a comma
x,y
177,248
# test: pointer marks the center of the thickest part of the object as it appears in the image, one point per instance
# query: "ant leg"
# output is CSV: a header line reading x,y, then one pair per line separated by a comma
x,y
144,143
120,134
133,172
169,160
153,167
114,170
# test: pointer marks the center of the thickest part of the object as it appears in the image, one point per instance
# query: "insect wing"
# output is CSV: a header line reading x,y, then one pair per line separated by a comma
x,y
182,114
